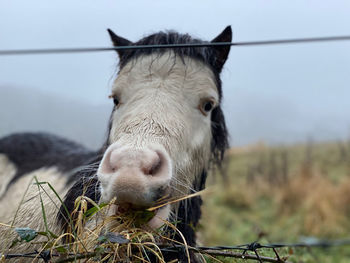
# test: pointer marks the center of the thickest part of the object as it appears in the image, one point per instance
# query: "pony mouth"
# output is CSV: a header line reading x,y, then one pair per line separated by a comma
x,y
160,217
154,218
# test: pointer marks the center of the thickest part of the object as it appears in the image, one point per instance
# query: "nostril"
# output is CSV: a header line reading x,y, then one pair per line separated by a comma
x,y
113,161
109,163
153,164
155,167
108,168
111,167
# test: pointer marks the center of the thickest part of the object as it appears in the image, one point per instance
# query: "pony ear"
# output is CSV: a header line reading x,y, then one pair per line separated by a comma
x,y
118,41
222,51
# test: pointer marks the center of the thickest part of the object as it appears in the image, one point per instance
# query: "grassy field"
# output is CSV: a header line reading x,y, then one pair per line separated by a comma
x,y
299,193
282,194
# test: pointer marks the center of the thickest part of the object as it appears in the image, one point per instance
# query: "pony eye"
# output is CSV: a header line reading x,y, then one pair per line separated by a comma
x,y
116,100
206,106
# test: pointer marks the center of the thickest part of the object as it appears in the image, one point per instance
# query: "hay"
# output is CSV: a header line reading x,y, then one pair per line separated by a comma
x,y
107,233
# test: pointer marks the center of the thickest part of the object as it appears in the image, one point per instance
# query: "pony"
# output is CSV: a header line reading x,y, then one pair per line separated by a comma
x,y
166,130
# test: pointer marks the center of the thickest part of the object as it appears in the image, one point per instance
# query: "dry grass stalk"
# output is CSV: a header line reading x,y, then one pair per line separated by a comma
x,y
100,233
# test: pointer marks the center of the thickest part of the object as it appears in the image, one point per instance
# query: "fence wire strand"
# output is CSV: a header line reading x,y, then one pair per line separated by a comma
x,y
222,251
205,44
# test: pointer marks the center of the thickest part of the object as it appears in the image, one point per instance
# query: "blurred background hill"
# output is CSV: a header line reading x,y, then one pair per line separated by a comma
x,y
254,119
35,110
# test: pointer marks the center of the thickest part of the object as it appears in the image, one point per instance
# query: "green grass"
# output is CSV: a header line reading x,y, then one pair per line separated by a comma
x,y
282,194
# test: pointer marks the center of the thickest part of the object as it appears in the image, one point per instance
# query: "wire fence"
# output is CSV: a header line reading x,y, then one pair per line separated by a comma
x,y
238,251
208,44
215,251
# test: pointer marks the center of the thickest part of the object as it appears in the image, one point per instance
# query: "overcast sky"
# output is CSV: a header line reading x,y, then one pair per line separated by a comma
x,y
288,92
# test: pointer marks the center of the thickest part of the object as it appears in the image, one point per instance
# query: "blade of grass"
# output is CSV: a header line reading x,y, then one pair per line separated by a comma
x,y
179,199
66,210
7,242
43,209
182,236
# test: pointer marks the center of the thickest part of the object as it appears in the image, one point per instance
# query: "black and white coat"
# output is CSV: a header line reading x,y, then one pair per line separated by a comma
x,y
167,116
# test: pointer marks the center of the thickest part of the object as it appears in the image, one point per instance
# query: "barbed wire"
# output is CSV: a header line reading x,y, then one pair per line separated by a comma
x,y
208,44
222,251
253,247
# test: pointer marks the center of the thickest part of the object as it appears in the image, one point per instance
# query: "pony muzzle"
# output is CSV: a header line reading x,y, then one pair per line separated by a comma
x,y
135,176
